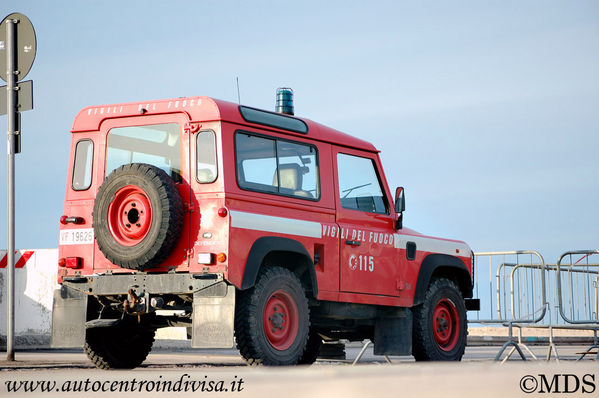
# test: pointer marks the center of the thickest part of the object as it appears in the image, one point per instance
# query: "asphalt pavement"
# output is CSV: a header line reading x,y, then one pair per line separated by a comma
x,y
183,372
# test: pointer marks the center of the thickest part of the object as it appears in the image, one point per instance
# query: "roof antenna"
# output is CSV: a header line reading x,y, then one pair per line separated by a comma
x,y
238,96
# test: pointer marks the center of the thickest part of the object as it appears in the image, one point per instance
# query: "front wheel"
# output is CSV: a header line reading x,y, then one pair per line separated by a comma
x,y
272,319
440,326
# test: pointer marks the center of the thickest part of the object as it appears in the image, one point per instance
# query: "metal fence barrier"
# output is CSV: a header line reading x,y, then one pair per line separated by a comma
x,y
514,287
518,289
577,290
577,280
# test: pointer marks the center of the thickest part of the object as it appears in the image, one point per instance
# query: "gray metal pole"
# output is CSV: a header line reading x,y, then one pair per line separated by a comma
x,y
11,105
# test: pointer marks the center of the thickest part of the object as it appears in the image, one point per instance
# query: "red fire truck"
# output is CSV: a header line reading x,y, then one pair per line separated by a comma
x,y
245,226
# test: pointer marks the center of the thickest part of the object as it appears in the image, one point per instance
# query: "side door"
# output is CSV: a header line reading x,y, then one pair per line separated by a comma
x,y
368,257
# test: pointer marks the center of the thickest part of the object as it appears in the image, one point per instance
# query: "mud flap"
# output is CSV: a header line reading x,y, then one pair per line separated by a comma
x,y
69,312
213,317
393,332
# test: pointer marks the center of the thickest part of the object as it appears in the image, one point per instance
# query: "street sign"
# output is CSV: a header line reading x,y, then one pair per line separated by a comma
x,y
17,52
24,97
25,49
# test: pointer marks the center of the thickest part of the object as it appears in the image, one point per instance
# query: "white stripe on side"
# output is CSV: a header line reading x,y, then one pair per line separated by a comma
x,y
279,225
432,245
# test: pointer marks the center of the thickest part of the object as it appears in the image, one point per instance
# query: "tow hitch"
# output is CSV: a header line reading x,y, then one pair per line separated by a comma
x,y
136,305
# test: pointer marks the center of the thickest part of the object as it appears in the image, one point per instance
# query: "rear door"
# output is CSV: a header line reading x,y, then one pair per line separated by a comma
x,y
162,141
368,258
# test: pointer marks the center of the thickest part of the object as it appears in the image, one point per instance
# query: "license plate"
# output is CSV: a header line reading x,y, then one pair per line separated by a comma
x,y
84,236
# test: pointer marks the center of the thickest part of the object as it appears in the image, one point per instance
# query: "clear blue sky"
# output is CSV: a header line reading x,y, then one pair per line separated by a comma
x,y
487,112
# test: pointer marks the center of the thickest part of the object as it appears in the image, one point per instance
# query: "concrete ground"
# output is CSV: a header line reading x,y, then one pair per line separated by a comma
x,y
476,376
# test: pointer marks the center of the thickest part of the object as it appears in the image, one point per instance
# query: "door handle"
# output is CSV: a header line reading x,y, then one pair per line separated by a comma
x,y
353,242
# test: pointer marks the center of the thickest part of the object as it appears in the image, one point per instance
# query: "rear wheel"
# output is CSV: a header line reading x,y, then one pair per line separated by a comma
x,y
312,350
272,319
440,326
123,346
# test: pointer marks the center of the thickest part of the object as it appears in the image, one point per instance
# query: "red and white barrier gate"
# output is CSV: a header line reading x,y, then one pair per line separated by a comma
x,y
35,281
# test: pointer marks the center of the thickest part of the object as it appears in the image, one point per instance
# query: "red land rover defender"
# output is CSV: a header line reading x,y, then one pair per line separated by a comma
x,y
249,227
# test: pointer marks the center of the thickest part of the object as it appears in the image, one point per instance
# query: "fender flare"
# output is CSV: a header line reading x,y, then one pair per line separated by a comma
x,y
444,263
268,244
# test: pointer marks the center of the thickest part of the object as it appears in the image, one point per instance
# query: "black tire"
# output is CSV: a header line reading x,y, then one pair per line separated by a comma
x,y
440,324
123,346
257,345
312,350
144,186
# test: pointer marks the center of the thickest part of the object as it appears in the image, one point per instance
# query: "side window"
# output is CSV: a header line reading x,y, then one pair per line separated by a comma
x,y
359,186
256,163
156,144
206,171
82,169
277,166
298,170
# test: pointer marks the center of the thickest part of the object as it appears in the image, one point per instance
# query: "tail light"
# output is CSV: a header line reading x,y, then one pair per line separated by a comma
x,y
74,262
73,220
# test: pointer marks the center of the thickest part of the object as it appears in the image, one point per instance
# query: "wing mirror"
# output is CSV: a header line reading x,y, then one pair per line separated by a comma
x,y
400,206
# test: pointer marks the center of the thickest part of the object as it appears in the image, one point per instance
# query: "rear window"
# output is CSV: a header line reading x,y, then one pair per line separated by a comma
x,y
156,144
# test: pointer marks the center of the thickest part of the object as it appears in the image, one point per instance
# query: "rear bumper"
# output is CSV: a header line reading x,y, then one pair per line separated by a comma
x,y
213,305
142,283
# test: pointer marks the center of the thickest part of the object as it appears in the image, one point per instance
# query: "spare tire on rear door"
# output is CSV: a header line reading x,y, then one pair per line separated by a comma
x,y
138,216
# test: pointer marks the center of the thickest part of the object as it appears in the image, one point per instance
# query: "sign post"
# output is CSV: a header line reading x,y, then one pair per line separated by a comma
x,y
17,50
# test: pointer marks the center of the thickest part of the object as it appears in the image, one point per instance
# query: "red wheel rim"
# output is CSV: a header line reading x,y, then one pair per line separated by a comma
x,y
446,324
280,320
129,215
